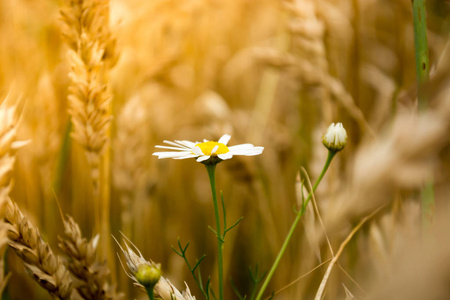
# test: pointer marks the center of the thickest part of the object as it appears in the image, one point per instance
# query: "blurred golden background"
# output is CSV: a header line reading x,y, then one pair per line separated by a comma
x,y
271,73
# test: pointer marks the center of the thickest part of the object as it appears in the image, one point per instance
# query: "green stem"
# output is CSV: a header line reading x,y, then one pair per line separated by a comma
x,y
212,180
331,154
422,70
150,292
62,158
427,196
421,49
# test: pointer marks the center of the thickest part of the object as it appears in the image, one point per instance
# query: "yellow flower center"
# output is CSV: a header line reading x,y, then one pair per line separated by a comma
x,y
207,148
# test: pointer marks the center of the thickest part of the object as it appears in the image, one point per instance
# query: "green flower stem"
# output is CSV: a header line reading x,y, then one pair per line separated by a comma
x,y
150,292
422,73
421,49
331,154
212,180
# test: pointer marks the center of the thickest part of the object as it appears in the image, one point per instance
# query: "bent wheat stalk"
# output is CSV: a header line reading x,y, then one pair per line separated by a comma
x,y
339,252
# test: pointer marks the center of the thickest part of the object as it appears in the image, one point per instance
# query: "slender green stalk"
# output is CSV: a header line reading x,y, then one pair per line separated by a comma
x,y
62,159
422,70
300,213
211,168
427,195
150,292
63,156
421,49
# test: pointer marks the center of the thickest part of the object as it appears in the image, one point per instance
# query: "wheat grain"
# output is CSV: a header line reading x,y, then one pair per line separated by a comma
x,y
8,145
92,276
39,260
91,54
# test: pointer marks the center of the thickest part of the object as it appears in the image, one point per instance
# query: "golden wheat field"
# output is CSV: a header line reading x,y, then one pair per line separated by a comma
x,y
91,89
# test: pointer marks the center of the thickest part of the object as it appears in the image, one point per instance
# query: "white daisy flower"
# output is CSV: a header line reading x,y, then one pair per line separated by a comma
x,y
336,137
208,152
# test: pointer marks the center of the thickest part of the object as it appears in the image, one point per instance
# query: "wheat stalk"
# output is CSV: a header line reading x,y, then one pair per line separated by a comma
x,y
324,281
40,262
92,276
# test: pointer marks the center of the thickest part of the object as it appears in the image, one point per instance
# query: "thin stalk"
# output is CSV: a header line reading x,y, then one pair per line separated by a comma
x,y
105,199
300,213
150,293
427,195
422,70
62,159
421,49
339,252
212,180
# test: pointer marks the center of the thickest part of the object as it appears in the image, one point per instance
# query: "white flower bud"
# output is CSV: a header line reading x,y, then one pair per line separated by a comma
x,y
336,137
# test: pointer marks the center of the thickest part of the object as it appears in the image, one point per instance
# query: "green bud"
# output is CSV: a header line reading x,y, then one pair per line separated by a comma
x,y
147,275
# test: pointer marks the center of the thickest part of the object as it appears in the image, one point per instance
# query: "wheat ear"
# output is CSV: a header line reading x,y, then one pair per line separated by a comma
x,y
91,54
92,276
8,146
44,266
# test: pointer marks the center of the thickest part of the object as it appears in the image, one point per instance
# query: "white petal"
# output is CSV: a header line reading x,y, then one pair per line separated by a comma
x,y
252,152
249,151
214,149
171,154
202,158
224,139
186,143
197,150
187,156
242,146
171,148
175,144
205,140
224,156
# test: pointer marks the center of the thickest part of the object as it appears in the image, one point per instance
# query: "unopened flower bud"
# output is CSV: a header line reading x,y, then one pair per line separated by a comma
x,y
147,275
336,137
